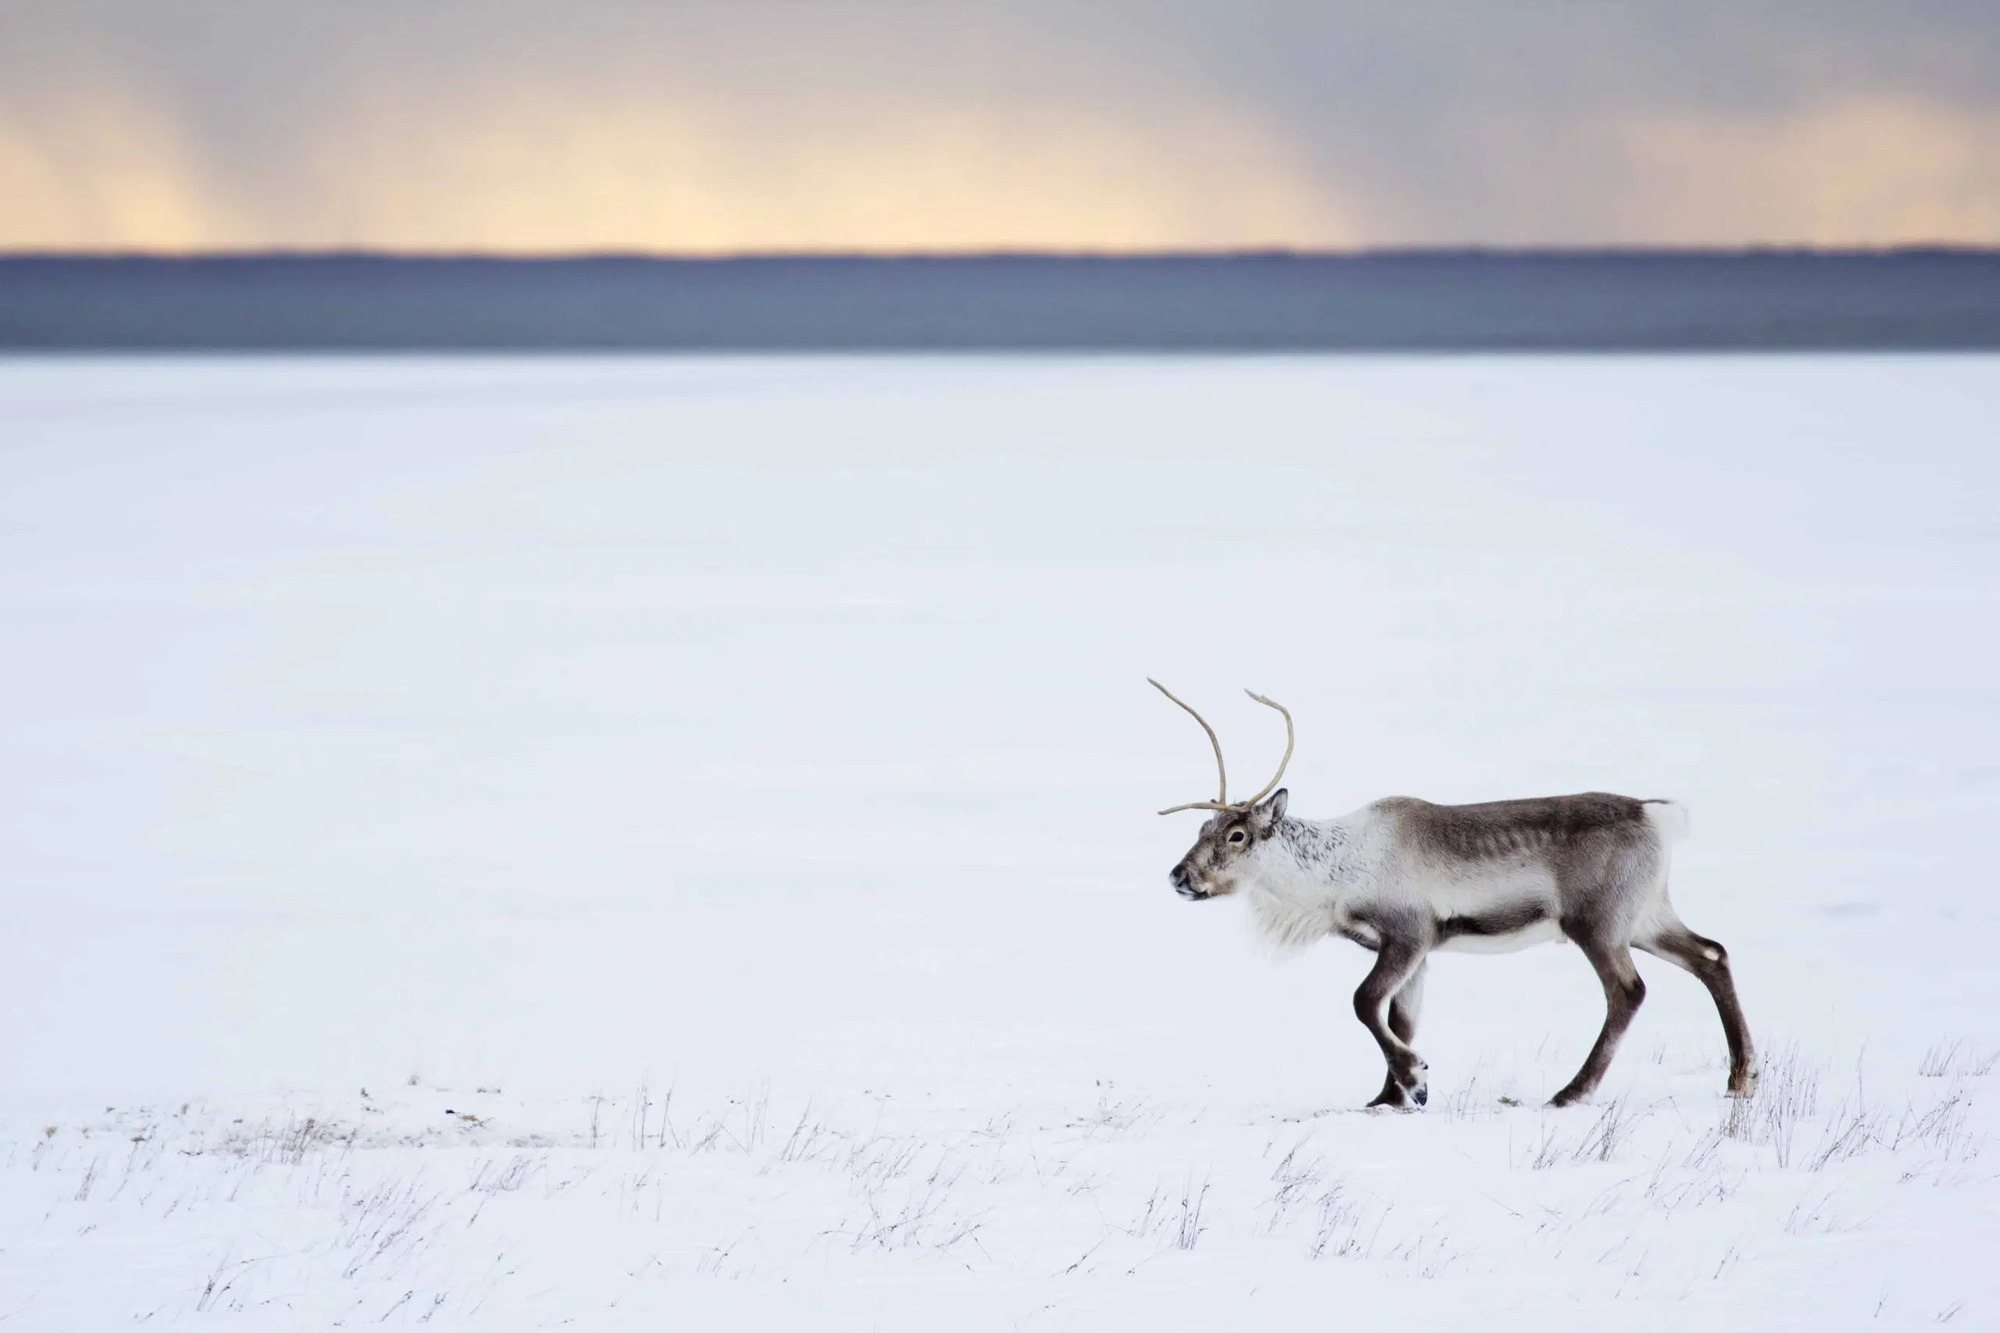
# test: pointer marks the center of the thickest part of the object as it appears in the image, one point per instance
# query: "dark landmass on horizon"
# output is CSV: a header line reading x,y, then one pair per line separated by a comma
x,y
1246,302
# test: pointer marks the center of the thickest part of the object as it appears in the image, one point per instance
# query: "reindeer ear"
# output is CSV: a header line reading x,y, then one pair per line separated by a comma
x,y
1273,808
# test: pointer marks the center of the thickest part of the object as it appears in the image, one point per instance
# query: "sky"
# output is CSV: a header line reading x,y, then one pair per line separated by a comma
x,y
718,126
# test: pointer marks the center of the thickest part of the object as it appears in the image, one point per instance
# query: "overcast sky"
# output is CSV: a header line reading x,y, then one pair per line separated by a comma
x,y
717,125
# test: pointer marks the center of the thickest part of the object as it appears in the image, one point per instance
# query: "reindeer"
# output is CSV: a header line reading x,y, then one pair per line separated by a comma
x,y
1402,877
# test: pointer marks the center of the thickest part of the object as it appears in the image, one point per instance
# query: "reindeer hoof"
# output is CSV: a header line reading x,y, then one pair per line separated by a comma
x,y
1404,1096
1399,1099
1567,1097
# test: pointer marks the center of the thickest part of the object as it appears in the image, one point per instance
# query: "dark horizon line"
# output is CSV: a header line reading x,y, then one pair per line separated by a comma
x,y
1263,300
393,255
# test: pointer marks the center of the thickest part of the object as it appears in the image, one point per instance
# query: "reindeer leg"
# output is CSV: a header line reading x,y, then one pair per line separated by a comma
x,y
1407,1004
1709,962
1404,1007
1623,993
1397,962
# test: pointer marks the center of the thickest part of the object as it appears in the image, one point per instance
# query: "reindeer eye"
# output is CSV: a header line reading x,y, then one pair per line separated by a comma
x,y
1236,835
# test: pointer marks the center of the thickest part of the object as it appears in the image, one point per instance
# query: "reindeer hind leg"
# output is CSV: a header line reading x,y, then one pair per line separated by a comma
x,y
1708,961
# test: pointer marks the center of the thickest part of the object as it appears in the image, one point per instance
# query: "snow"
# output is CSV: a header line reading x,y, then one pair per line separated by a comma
x,y
707,805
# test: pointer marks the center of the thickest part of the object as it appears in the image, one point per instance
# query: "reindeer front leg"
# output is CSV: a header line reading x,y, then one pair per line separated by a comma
x,y
1398,961
1624,992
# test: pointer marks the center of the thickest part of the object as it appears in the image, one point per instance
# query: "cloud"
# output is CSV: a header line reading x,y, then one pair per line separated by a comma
x,y
1863,172
553,169
103,174
932,124
538,170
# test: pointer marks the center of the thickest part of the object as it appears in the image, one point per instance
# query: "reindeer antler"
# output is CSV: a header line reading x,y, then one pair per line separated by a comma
x,y
1222,801
1272,785
1221,771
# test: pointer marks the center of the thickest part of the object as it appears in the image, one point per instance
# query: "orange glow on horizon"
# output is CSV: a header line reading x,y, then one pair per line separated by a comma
x,y
547,171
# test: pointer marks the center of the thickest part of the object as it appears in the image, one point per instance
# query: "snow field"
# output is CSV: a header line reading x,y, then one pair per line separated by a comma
x,y
1662,1204
708,806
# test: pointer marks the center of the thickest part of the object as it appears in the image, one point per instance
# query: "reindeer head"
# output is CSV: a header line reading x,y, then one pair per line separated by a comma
x,y
1226,847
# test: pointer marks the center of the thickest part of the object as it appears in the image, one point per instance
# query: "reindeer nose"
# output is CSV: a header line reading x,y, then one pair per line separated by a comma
x,y
1178,877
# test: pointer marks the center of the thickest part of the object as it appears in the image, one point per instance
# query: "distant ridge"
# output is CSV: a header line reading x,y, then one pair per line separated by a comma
x,y
1928,298
1040,252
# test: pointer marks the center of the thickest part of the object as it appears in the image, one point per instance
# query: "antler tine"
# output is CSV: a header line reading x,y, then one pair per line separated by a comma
x,y
1221,773
1196,805
1272,785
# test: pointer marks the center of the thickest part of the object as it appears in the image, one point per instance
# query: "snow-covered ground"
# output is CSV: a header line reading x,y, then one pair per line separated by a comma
x,y
520,841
